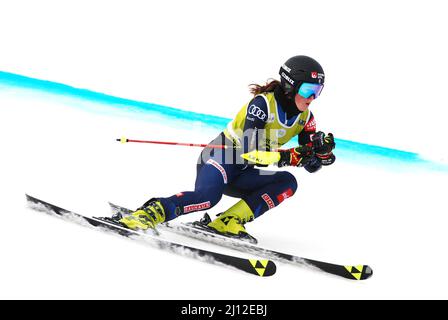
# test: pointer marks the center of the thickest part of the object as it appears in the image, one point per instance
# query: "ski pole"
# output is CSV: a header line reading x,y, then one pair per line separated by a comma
x,y
215,146
257,156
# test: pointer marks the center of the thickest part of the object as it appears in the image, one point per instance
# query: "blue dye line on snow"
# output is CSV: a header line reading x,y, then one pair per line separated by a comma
x,y
352,150
65,90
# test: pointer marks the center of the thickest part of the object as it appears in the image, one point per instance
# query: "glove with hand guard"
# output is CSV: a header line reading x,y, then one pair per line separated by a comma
x,y
296,157
323,146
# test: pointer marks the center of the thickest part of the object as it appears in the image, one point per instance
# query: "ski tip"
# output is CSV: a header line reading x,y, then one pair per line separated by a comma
x,y
360,272
263,268
31,199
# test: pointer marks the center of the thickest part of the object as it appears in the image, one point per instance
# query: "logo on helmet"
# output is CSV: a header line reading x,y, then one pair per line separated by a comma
x,y
287,78
288,69
319,76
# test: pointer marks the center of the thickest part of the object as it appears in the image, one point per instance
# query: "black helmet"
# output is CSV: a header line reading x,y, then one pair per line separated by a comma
x,y
300,69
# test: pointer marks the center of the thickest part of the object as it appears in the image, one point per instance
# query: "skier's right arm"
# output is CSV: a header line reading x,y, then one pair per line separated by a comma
x,y
254,124
295,157
256,119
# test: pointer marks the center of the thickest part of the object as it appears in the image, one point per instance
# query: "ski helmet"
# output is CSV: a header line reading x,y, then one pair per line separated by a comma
x,y
297,70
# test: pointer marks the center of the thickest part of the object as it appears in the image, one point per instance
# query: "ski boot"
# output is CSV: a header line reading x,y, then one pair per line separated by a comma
x,y
231,222
147,216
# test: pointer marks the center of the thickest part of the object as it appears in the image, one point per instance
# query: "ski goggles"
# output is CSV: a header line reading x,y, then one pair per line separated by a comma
x,y
307,89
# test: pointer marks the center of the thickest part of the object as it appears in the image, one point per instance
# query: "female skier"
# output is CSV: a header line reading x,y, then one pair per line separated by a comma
x,y
278,112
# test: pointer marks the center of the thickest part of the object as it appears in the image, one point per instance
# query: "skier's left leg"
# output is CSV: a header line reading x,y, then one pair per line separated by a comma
x,y
260,191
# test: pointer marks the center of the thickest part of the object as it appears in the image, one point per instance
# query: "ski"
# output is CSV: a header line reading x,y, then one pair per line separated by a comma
x,y
263,268
194,230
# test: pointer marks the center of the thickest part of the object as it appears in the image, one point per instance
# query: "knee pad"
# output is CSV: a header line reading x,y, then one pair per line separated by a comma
x,y
210,194
289,180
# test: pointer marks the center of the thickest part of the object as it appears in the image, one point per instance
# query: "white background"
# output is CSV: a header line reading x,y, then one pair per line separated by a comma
x,y
385,60
385,64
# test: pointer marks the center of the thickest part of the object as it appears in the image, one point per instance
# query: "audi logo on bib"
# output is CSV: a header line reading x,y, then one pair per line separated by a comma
x,y
257,112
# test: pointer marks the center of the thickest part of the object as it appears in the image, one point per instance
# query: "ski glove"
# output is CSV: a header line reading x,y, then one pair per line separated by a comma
x,y
323,146
296,157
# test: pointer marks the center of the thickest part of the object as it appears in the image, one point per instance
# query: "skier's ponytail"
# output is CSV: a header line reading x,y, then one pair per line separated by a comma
x,y
270,86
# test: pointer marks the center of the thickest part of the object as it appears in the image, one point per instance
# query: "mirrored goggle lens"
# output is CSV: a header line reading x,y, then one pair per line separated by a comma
x,y
306,90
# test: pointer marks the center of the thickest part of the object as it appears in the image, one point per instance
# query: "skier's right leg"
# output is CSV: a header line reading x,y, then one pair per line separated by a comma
x,y
147,216
215,169
209,188
208,191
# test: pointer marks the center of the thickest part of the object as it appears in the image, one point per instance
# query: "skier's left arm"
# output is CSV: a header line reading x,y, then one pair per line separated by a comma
x,y
303,155
305,138
323,145
320,144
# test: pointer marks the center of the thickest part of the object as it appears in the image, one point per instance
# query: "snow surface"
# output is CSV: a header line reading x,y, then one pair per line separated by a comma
x,y
63,150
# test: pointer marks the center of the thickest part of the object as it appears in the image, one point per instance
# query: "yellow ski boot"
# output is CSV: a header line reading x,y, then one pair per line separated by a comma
x,y
146,217
231,222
